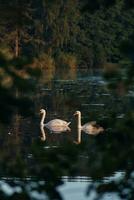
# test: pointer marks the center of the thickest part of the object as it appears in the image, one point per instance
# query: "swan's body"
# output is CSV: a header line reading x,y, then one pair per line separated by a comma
x,y
56,125
57,122
90,127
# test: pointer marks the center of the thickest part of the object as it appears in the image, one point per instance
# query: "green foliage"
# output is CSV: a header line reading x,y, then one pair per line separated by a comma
x,y
66,60
121,76
16,75
16,20
44,61
105,30
92,31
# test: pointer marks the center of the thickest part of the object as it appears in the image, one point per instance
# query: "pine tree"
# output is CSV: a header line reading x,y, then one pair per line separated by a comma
x,y
16,20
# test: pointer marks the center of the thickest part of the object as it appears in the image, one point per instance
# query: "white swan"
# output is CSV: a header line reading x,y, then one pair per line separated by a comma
x,y
90,127
55,125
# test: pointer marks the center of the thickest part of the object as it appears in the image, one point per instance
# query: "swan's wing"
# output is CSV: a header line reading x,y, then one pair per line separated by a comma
x,y
93,123
92,129
87,127
56,123
88,124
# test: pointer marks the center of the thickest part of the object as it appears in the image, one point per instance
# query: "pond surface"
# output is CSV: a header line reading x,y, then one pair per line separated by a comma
x,y
93,159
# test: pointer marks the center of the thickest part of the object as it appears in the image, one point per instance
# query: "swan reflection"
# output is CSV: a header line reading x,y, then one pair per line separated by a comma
x,y
78,141
59,129
43,137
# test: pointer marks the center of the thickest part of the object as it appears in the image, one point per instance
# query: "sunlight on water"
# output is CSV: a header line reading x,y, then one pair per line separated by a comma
x,y
7,189
117,176
76,188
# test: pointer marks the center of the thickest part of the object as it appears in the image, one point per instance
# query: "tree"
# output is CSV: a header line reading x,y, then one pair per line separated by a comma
x,y
16,19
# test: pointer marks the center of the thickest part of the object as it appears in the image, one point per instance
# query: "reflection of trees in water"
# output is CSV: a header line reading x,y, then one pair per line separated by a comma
x,y
67,73
17,75
96,157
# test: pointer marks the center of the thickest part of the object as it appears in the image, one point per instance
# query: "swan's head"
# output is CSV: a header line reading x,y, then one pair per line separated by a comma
x,y
77,112
42,111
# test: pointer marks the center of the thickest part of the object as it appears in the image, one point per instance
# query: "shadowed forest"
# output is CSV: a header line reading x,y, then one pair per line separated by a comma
x,y
85,33
91,45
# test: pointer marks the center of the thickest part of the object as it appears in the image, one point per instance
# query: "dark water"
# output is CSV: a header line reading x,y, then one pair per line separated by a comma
x,y
101,159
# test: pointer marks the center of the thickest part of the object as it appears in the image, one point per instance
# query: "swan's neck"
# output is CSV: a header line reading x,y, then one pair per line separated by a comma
x,y
79,135
42,119
79,120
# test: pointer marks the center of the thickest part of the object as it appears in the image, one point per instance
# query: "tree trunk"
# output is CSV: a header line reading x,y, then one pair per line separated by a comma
x,y
17,43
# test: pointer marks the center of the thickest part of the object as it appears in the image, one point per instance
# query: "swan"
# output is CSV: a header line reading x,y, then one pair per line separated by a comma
x,y
55,125
91,127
